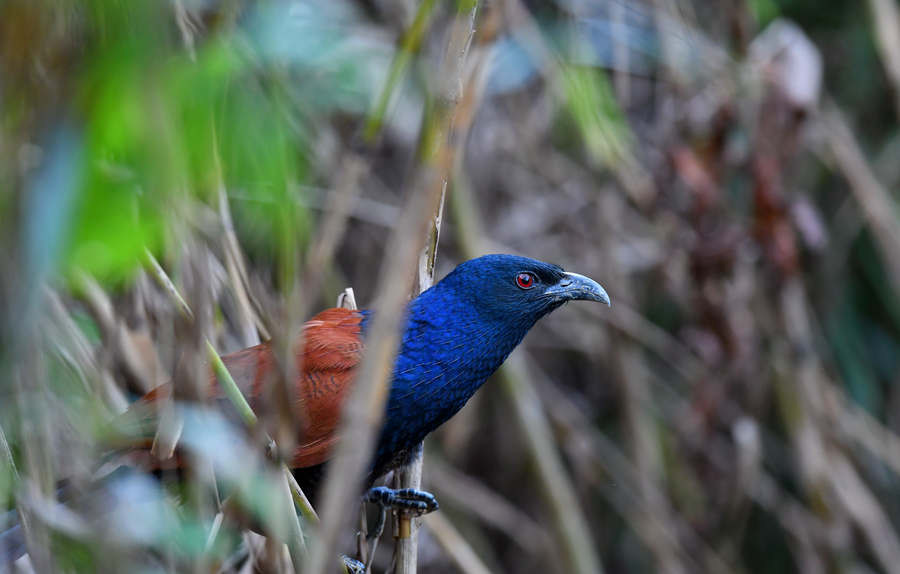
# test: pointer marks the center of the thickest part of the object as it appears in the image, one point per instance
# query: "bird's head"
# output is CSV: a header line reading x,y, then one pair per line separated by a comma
x,y
463,328
516,289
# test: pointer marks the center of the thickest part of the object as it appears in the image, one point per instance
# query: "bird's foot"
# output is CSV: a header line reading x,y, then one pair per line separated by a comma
x,y
417,502
408,501
353,565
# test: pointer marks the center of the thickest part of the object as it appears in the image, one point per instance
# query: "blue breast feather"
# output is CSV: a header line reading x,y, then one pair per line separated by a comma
x,y
456,335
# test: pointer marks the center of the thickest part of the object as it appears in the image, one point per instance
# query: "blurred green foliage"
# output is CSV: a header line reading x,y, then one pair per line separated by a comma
x,y
121,124
156,126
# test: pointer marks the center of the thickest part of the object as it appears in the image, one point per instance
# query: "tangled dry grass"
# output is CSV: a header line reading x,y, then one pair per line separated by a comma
x,y
728,175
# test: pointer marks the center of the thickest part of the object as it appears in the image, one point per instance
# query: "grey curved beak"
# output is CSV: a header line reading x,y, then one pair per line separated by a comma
x,y
575,287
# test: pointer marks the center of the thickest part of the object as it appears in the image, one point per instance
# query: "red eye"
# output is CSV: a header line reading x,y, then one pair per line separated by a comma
x,y
525,280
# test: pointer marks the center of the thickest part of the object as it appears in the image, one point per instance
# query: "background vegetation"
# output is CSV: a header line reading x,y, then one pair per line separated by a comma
x,y
728,170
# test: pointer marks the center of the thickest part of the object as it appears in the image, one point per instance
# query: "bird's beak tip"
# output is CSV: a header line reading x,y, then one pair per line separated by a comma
x,y
603,297
586,289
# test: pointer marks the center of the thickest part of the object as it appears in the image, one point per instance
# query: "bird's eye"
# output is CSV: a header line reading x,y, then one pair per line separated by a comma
x,y
525,280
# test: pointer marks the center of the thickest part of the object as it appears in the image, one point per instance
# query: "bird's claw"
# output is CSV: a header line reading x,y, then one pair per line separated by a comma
x,y
353,565
409,500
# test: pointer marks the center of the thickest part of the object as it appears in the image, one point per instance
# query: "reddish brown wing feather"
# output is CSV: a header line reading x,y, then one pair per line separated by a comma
x,y
332,350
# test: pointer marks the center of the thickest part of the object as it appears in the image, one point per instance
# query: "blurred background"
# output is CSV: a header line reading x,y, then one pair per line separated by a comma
x,y
727,170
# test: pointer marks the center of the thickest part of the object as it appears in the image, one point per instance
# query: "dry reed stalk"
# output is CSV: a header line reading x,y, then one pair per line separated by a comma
x,y
569,522
450,78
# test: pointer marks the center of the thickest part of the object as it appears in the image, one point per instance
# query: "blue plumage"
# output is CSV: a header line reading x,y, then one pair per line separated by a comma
x,y
458,333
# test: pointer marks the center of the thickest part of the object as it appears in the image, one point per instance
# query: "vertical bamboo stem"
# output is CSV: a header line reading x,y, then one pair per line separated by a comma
x,y
451,78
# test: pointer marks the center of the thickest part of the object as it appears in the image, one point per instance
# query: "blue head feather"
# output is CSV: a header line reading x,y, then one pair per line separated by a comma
x,y
458,333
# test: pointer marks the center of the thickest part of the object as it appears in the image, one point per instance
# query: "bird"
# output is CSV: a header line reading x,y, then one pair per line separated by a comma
x,y
455,335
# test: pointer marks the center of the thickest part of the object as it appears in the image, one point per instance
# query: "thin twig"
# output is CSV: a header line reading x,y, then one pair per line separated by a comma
x,y
569,520
861,503
186,27
556,486
455,545
140,367
623,488
251,325
295,542
162,278
558,73
639,424
409,45
821,463
877,205
886,19
474,497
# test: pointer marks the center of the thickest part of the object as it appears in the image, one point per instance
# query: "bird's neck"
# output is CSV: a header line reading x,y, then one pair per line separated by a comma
x,y
449,349
467,343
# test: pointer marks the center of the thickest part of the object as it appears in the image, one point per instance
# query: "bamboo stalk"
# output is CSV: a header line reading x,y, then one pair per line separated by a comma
x,y
363,409
462,30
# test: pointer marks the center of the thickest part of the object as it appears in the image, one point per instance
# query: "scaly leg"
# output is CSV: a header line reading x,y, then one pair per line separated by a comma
x,y
416,502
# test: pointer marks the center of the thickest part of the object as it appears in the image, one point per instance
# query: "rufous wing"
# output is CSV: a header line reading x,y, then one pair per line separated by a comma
x,y
331,353
332,349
